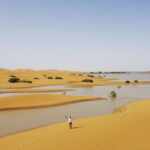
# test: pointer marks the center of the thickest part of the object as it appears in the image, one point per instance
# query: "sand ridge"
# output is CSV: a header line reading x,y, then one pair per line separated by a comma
x,y
41,100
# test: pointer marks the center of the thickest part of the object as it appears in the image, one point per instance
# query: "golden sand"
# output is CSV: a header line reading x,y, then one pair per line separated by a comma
x,y
30,75
71,78
129,130
40,100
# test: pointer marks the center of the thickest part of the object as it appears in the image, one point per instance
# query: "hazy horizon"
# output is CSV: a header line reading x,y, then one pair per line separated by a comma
x,y
82,70
98,35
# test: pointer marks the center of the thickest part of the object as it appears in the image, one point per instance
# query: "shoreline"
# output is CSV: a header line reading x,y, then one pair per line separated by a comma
x,y
80,84
35,91
89,133
50,124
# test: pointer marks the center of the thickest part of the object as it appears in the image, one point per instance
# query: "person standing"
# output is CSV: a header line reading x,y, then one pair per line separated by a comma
x,y
69,120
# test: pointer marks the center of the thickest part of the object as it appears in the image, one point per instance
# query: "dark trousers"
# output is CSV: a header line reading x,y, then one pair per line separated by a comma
x,y
70,125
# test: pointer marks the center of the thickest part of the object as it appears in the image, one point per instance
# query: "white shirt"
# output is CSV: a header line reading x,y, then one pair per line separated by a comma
x,y
69,120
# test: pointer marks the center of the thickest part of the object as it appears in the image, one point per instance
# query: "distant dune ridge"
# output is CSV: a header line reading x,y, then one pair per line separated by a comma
x,y
43,76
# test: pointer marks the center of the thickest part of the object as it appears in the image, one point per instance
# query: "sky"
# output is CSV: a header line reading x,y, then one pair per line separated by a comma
x,y
107,35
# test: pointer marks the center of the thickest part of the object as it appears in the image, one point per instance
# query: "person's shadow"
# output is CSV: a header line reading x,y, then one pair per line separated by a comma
x,y
76,127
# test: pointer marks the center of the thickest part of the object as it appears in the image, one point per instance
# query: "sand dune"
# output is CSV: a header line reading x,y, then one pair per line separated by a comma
x,y
71,78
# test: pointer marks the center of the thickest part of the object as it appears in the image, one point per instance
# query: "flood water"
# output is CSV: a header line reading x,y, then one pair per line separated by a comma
x,y
19,120
129,76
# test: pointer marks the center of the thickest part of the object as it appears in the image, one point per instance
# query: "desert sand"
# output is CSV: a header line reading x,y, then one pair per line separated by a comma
x,y
41,100
40,78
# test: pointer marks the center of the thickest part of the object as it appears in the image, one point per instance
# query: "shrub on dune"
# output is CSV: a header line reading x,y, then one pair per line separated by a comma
x,y
91,76
14,80
36,78
128,82
26,81
88,80
113,95
49,77
136,81
58,78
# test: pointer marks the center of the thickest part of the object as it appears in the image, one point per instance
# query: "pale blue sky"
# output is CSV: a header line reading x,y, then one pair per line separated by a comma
x,y
75,34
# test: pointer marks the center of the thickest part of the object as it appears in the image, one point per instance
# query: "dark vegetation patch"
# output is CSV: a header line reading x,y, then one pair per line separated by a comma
x,y
49,77
26,81
136,81
128,82
87,80
59,78
13,80
113,94
91,76
36,78
17,80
